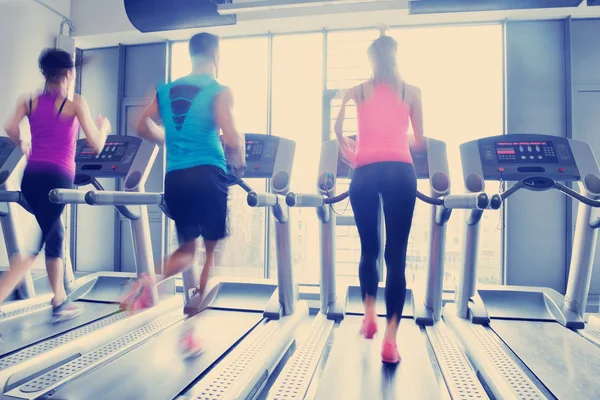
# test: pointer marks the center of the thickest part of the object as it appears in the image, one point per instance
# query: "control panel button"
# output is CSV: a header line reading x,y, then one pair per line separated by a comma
x,y
501,169
114,167
256,167
561,169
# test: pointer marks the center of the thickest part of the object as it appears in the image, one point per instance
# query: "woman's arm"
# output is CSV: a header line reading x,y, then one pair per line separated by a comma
x,y
347,146
95,133
12,124
339,122
147,128
416,114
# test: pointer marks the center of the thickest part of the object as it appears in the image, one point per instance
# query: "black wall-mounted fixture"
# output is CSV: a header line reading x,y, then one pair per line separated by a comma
x,y
166,15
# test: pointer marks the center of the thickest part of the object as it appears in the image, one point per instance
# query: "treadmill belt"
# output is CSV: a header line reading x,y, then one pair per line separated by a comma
x,y
156,370
566,363
354,369
31,328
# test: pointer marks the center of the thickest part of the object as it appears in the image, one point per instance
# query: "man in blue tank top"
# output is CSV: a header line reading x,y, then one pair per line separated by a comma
x,y
193,110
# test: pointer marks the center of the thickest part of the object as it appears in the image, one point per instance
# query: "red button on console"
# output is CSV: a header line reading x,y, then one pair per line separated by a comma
x,y
256,167
561,169
501,169
114,167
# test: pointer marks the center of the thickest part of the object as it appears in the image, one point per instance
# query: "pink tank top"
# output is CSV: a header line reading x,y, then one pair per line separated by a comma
x,y
53,136
383,122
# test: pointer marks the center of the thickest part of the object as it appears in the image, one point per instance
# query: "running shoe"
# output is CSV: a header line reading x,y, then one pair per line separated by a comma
x,y
389,353
368,328
140,297
66,311
190,345
133,293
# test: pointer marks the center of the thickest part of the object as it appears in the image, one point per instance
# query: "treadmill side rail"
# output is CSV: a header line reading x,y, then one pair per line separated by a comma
x,y
245,371
19,373
295,378
504,377
460,379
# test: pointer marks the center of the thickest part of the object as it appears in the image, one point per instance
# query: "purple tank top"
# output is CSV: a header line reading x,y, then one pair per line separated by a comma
x,y
53,136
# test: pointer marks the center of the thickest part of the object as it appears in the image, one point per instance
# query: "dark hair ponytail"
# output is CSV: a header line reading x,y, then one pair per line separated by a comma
x,y
55,64
385,66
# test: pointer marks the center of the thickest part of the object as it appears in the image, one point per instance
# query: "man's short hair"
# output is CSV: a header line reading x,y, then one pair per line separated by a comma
x,y
203,44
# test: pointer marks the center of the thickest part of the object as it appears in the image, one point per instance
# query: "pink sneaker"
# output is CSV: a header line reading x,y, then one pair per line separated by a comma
x,y
189,344
368,328
142,295
131,296
389,353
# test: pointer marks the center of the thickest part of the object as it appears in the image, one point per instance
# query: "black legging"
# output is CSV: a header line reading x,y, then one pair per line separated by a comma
x,y
36,185
396,182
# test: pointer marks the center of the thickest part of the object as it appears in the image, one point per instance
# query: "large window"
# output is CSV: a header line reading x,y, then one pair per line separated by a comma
x,y
297,108
244,68
459,70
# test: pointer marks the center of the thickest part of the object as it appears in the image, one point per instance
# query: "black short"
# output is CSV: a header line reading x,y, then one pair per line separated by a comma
x,y
197,202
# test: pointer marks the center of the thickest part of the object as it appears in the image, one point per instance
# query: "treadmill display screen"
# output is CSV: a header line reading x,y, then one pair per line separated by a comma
x,y
112,152
254,150
526,152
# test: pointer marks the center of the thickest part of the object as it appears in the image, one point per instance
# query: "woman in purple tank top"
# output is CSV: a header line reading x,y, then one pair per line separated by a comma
x,y
54,120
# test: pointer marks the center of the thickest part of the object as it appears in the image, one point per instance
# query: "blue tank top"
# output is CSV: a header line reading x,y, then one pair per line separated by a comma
x,y
191,133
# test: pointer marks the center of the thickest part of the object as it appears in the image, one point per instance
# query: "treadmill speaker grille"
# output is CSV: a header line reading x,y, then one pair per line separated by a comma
x,y
453,362
513,375
100,354
246,354
47,345
298,372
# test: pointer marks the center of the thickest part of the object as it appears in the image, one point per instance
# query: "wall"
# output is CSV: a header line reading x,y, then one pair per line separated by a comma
x,y
535,246
585,67
94,242
116,81
25,29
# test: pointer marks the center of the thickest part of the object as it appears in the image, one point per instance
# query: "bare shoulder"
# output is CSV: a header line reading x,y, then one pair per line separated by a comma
x,y
413,91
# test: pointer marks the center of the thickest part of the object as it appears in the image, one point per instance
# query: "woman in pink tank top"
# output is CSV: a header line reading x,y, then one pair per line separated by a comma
x,y
54,122
383,170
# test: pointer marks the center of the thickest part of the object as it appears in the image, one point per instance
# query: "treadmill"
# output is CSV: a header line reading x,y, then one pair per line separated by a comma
x,y
522,340
11,158
336,363
31,342
247,325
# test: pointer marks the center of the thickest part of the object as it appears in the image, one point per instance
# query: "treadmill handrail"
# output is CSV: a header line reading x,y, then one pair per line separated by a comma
x,y
293,199
115,198
255,199
552,185
10,196
67,196
460,201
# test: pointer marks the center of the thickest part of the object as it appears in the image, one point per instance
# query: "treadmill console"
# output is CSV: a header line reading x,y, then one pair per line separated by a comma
x,y
113,161
269,156
126,157
518,156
